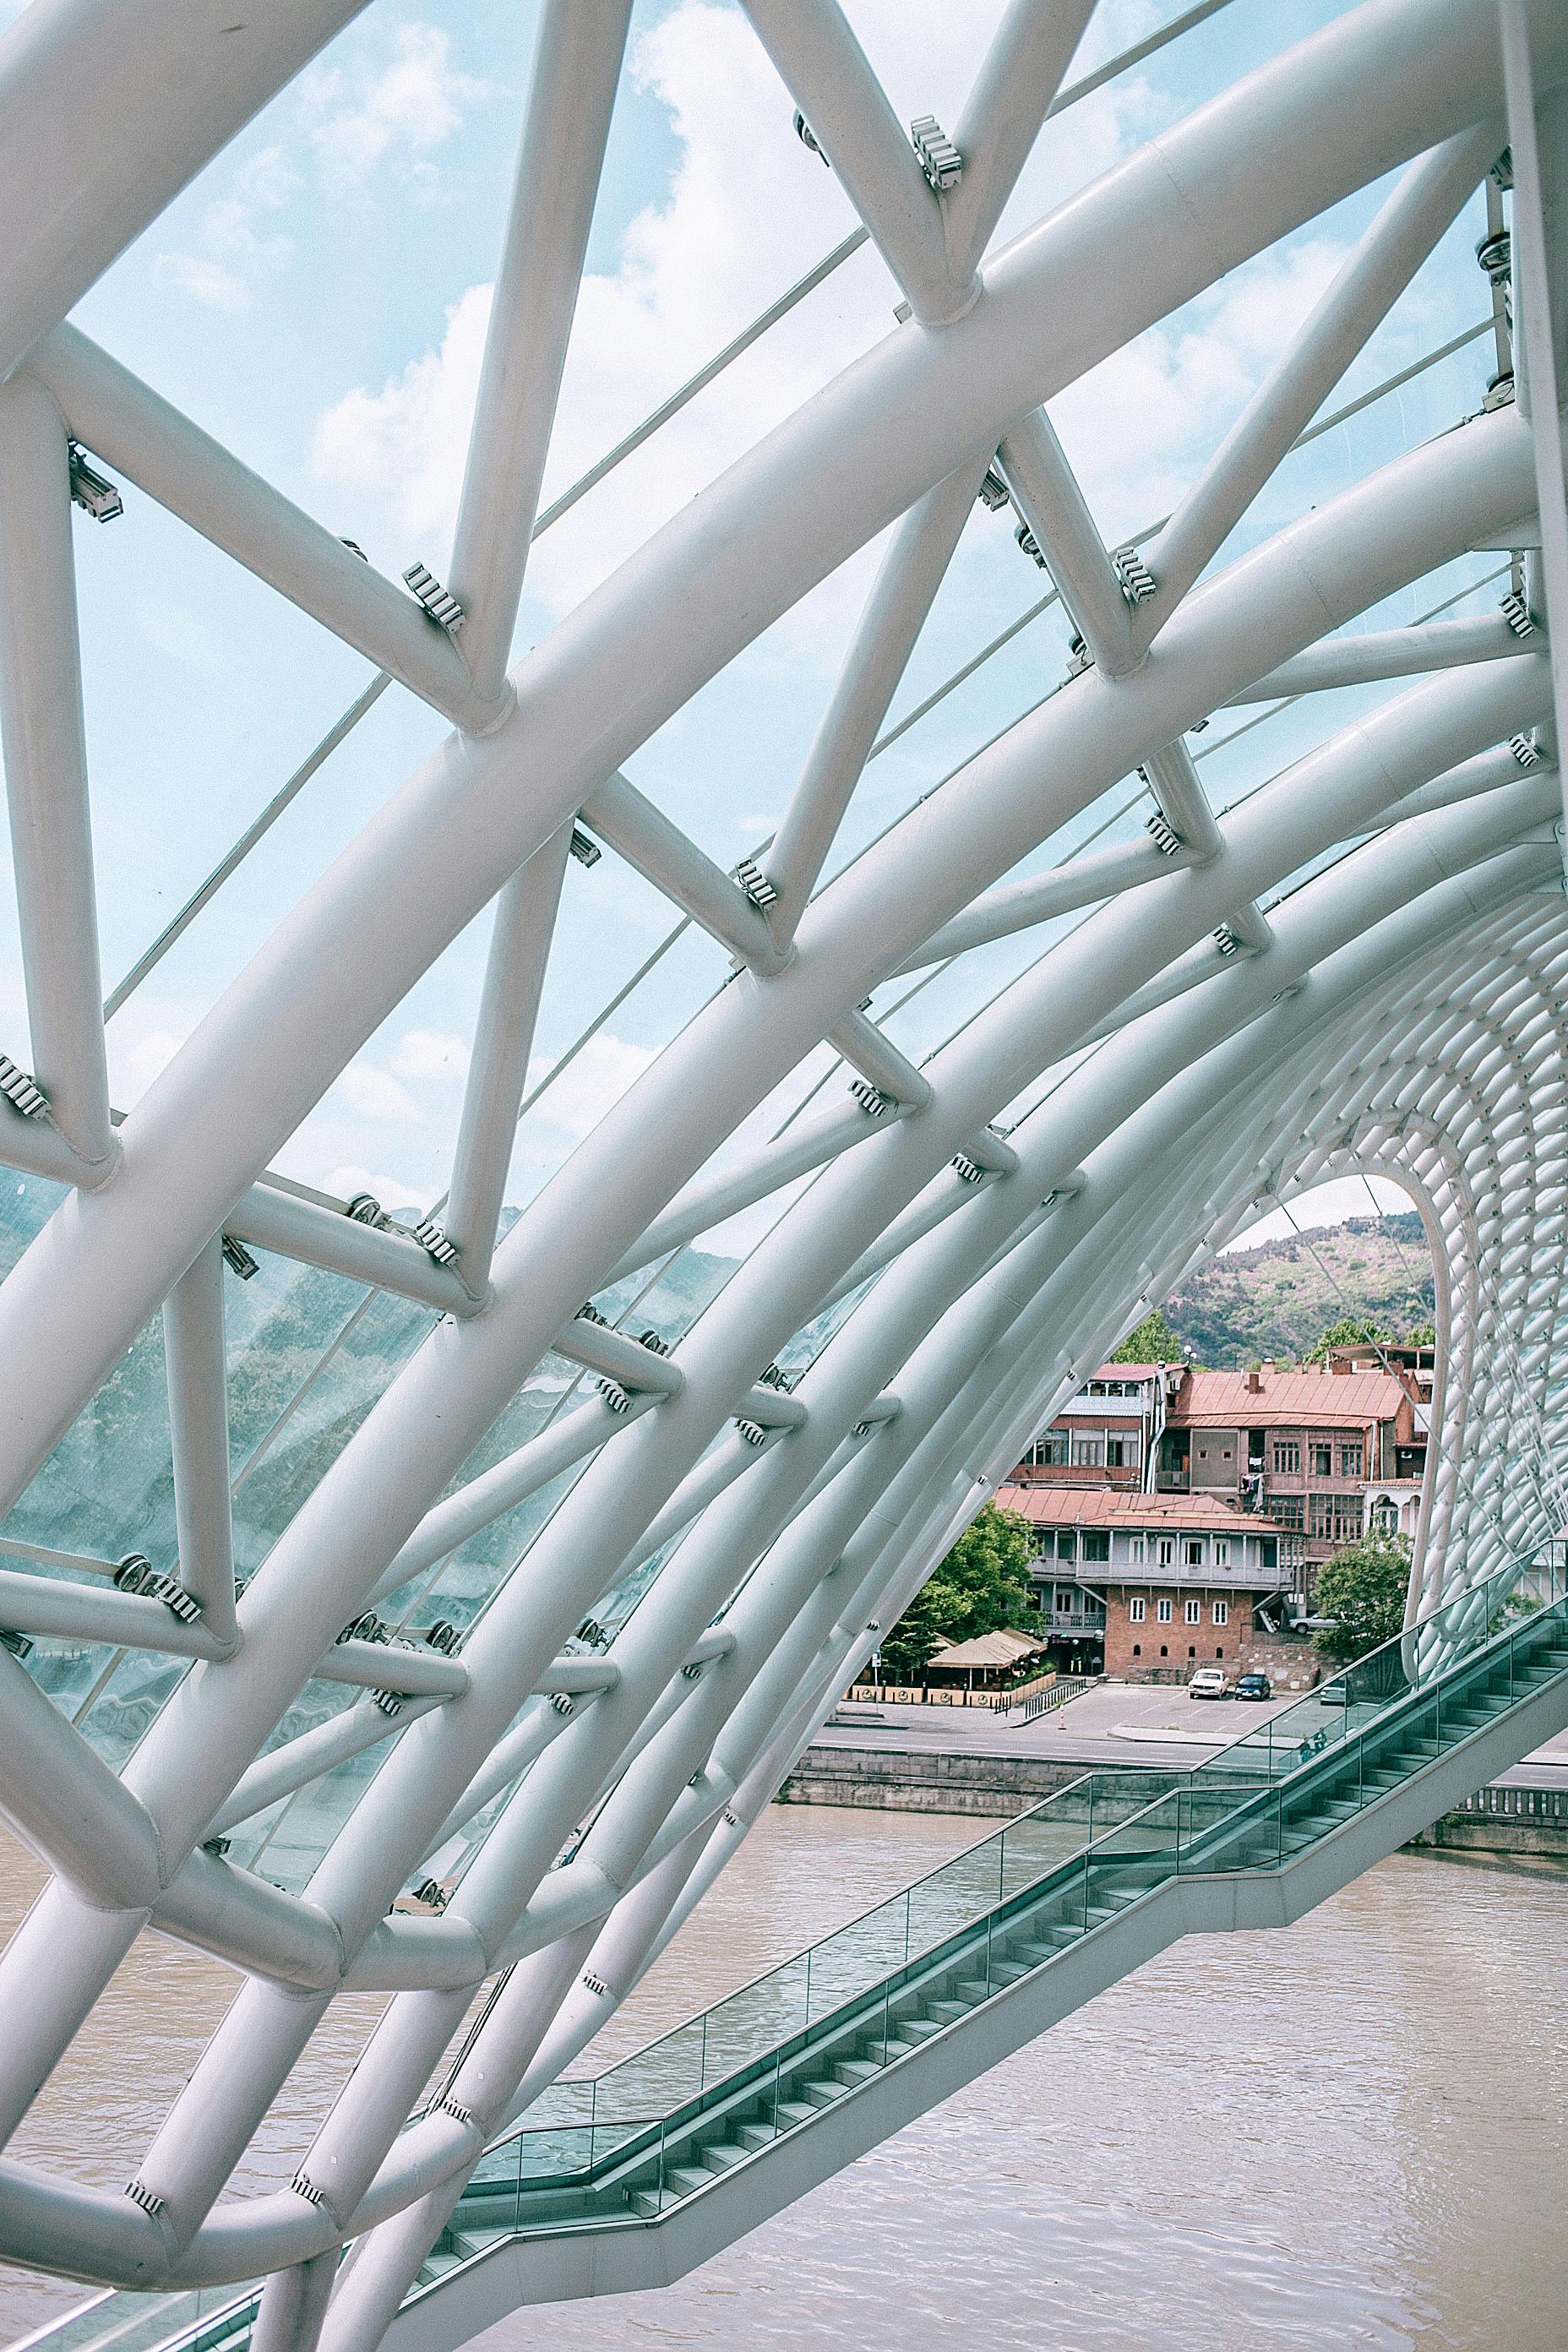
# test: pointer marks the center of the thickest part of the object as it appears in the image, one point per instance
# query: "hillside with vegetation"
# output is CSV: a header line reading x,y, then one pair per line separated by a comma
x,y
1277,1301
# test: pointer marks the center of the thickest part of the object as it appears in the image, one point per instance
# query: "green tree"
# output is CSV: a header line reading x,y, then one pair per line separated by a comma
x,y
983,1583
1363,1589
1153,1342
1349,1331
1421,1335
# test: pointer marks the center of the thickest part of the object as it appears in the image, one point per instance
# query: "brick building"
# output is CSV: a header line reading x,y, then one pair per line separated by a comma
x,y
1322,1453
1153,1586
1304,1447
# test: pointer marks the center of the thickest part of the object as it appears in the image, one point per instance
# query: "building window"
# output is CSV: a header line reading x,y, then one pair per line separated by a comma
x,y
1137,1549
1136,1610
1067,1544
1220,1652
1336,1519
1222,1551
1290,1510
1165,1650
1220,1613
1194,1612
1268,1551
1351,1457
1287,1457
1137,1649
1088,1452
1050,1448
1193,1551
1167,1551
1384,1518
1067,1599
1164,1611
1323,1461
1096,1544
1192,1649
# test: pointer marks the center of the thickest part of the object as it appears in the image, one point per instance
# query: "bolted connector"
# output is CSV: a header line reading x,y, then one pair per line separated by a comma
x,y
653,1343
992,491
367,1628
216,1846
597,1987
1517,616
594,1633
774,1376
443,1636
1495,254
1138,583
872,1100
435,1243
1079,658
691,1674
562,1702
752,1432
147,2198
1224,939
136,1574
90,490
940,159
18,1644
733,1820
615,1396
755,883
1525,751
585,848
303,2186
969,1171
430,1891
239,1260
367,1210
440,603
1502,169
23,1093
354,549
807,137
447,2105
1498,393
1163,832
388,1701
1030,544
589,1313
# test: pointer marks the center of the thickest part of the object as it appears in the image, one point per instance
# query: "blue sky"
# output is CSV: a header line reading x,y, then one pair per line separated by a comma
x,y
317,300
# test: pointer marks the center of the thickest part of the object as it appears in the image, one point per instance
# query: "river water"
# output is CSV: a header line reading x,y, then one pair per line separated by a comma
x,y
1348,2133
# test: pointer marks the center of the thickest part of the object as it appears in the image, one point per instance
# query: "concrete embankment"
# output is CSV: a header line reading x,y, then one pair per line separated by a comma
x,y
1504,1819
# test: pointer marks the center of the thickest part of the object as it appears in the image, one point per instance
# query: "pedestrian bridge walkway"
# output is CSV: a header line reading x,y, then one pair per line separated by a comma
x,y
629,2178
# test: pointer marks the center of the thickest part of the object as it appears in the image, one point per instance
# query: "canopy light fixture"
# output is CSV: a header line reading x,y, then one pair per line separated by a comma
x,y
239,1260
755,883
873,1101
440,603
90,490
585,848
435,1243
940,159
23,1093
1517,616
807,137
1138,582
992,493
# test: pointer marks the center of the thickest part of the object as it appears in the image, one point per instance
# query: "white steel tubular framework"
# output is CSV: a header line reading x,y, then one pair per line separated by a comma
x,y
550,1616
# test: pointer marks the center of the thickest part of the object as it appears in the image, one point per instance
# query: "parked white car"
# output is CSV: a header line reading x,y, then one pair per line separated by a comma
x,y
1209,1682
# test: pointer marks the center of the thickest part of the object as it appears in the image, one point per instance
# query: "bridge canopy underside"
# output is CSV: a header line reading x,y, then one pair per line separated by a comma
x,y
424,1599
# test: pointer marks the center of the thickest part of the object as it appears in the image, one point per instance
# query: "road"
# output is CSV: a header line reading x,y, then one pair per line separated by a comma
x,y
1086,1731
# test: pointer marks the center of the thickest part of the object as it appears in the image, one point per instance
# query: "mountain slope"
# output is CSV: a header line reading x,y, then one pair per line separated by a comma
x,y
1277,1300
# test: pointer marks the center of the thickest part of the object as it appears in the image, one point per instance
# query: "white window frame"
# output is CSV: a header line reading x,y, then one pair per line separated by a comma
x,y
1220,1613
1164,1612
1194,1612
1137,1610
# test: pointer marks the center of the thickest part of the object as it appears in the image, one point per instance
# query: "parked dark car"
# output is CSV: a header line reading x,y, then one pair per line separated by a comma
x,y
1254,1686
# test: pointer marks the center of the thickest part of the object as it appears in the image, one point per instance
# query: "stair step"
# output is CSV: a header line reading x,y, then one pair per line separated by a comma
x,y
721,2154
822,2093
1008,1971
478,2242
973,1991
791,2112
1035,1953
852,2071
918,2029
945,2012
1064,1935
882,2053
648,2202
756,2136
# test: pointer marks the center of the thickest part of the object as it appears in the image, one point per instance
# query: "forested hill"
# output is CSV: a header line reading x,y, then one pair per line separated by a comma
x,y
1276,1301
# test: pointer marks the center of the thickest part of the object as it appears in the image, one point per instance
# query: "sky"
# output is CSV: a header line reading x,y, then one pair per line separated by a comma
x,y
317,300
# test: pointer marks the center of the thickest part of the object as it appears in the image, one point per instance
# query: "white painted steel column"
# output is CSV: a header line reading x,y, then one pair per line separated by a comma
x,y
43,735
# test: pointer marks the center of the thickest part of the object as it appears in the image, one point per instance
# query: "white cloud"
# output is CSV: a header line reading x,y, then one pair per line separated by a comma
x,y
371,1093
236,251
429,1054
410,107
412,434
392,1191
599,1077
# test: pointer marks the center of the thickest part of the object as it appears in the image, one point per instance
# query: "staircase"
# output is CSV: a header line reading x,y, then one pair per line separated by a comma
x,y
631,2176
